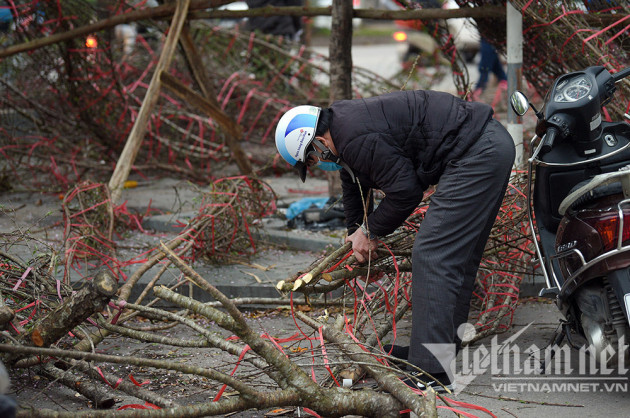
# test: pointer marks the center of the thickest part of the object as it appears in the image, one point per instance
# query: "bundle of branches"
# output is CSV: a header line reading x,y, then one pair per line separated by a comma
x,y
267,369
384,284
39,309
560,37
234,206
27,289
261,366
89,224
227,213
268,377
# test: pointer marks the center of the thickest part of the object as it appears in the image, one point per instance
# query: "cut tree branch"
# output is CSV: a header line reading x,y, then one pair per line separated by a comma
x,y
91,299
136,136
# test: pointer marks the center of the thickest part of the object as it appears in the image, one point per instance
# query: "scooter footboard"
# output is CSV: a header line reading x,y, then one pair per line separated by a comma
x,y
619,281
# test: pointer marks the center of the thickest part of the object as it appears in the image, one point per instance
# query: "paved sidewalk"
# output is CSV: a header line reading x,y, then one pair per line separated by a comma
x,y
502,373
292,250
511,385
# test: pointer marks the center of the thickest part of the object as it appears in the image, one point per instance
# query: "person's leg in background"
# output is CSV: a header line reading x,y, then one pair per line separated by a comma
x,y
489,62
498,71
486,53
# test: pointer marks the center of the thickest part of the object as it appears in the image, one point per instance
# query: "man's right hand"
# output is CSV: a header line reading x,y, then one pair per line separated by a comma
x,y
362,246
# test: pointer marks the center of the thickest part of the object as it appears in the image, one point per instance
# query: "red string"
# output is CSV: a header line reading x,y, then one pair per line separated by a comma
x,y
323,348
146,405
240,358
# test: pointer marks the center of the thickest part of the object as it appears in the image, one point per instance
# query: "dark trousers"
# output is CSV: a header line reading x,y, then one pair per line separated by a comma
x,y
451,241
489,63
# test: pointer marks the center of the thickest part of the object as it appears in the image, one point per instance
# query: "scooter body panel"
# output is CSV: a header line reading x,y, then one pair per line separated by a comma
x,y
619,280
578,223
558,172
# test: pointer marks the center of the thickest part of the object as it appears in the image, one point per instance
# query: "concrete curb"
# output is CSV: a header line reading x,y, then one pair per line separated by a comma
x,y
273,231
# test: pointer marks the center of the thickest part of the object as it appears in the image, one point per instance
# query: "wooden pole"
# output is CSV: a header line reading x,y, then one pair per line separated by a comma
x,y
183,92
128,156
196,66
340,53
234,131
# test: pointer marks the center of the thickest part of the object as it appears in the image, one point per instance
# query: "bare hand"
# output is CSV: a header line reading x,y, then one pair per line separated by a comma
x,y
362,246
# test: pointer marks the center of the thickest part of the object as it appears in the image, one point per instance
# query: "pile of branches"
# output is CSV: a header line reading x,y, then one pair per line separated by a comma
x,y
227,214
57,334
68,108
565,36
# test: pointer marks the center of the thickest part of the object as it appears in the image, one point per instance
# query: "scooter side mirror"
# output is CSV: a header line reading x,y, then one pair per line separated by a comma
x,y
519,103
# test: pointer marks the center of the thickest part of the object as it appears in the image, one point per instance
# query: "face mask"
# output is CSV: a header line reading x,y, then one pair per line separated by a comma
x,y
328,166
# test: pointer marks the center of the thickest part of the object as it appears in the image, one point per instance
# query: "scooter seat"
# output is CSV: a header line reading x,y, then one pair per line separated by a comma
x,y
601,185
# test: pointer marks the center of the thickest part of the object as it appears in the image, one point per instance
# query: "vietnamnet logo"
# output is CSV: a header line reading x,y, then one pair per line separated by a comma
x,y
513,367
300,141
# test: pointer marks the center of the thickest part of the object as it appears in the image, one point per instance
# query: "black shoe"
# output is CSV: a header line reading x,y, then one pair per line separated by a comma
x,y
419,380
398,351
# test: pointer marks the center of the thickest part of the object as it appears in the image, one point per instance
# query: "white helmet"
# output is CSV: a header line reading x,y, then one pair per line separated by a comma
x,y
295,133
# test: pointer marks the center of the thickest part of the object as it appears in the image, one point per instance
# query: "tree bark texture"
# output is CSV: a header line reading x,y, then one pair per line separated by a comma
x,y
91,299
6,315
387,381
340,51
187,236
196,65
92,391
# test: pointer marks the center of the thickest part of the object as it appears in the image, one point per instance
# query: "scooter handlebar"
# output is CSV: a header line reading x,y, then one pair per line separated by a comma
x,y
548,140
620,75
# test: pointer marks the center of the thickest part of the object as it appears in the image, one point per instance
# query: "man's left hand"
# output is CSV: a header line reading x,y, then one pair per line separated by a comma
x,y
363,247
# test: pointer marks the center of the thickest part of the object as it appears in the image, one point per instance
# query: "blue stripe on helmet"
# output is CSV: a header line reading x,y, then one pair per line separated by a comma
x,y
284,153
301,121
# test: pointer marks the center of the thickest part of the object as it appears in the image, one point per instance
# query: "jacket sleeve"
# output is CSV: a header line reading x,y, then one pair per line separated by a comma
x,y
392,171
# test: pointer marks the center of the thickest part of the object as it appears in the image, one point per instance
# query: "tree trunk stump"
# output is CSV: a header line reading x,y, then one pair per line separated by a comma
x,y
91,299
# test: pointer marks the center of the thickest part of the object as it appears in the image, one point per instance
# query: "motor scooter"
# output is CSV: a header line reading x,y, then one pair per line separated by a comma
x,y
417,40
579,209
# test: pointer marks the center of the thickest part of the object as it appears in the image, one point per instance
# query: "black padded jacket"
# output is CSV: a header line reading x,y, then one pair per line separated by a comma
x,y
400,143
275,25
